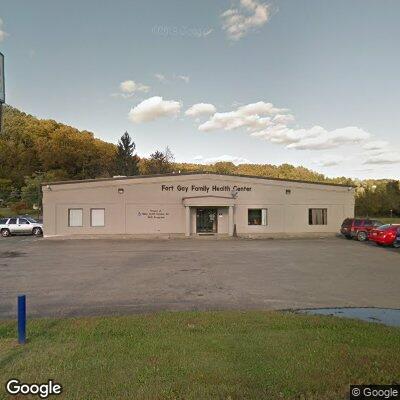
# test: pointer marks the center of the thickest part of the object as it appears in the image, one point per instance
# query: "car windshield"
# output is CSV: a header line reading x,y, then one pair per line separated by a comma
x,y
30,219
384,227
378,223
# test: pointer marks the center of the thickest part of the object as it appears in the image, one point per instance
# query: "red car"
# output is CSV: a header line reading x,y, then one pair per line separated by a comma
x,y
358,228
386,235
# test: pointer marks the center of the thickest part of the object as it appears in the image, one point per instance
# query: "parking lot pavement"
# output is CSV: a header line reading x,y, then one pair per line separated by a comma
x,y
120,276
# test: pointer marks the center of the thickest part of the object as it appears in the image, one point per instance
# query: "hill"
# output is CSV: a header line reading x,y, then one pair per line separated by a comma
x,y
33,150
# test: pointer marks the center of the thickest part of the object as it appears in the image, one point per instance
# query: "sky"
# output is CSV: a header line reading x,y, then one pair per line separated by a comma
x,y
306,82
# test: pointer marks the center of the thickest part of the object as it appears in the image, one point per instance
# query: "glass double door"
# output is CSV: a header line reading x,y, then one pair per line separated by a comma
x,y
206,220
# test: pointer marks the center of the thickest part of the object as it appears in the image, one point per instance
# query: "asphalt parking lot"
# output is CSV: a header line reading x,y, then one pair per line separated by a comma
x,y
121,276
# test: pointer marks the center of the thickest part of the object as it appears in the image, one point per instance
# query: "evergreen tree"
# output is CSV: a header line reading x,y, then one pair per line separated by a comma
x,y
126,160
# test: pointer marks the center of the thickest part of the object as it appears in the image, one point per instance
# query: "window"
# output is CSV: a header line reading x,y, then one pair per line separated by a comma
x,y
12,221
23,221
97,217
358,222
3,221
257,216
318,216
75,217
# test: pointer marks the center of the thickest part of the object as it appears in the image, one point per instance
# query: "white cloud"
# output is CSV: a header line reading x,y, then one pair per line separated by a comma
x,y
184,78
375,145
265,121
154,108
200,109
129,87
250,15
330,160
253,116
3,34
161,78
384,158
224,158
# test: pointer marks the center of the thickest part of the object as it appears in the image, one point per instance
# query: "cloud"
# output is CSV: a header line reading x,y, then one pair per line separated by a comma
x,y
161,78
184,78
3,34
330,160
224,158
250,15
375,145
265,121
200,109
131,87
252,116
154,108
384,158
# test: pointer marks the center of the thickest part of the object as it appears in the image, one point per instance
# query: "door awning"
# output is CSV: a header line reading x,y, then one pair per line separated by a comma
x,y
208,201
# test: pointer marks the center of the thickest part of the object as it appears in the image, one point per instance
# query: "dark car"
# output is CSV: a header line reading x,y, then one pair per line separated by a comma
x,y
386,235
358,228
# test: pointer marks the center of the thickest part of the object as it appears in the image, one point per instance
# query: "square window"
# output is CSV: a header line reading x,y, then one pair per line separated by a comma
x,y
318,216
97,217
75,217
257,216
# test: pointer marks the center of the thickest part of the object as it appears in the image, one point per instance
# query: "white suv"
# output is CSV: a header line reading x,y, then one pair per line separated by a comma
x,y
20,226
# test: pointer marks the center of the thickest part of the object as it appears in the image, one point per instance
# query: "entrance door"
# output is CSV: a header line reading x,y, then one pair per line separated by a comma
x,y
206,220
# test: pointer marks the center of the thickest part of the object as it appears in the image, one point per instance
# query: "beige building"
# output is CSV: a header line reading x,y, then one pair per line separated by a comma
x,y
194,204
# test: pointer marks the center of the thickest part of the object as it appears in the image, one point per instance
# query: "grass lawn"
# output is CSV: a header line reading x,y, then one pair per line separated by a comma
x,y
7,212
202,355
390,220
385,220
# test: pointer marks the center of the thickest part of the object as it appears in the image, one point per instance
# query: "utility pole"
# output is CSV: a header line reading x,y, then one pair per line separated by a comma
x,y
2,89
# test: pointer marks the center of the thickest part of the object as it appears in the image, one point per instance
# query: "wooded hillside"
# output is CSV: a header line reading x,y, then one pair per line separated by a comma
x,y
33,150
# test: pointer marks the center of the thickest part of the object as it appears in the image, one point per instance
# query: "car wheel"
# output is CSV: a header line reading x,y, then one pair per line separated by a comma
x,y
5,233
396,245
37,232
362,236
348,237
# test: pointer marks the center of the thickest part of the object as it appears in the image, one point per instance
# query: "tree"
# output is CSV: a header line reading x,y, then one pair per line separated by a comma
x,y
158,163
224,167
126,160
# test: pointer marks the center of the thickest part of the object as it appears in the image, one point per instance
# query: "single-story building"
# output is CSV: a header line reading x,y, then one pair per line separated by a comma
x,y
191,204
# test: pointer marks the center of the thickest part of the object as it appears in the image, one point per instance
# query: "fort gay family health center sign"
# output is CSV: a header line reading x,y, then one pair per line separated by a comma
x,y
205,188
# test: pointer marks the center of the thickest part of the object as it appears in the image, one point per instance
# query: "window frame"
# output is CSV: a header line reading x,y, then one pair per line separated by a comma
x,y
264,211
69,217
104,218
324,216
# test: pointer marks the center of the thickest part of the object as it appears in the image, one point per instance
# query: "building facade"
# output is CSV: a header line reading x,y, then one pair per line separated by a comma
x,y
194,204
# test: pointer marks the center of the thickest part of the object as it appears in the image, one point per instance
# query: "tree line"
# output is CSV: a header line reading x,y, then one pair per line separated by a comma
x,y
33,151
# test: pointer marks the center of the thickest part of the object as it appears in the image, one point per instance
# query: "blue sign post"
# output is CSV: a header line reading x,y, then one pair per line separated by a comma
x,y
22,319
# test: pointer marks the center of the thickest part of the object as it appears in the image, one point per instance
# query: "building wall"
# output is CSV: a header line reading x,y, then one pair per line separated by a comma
x,y
154,205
